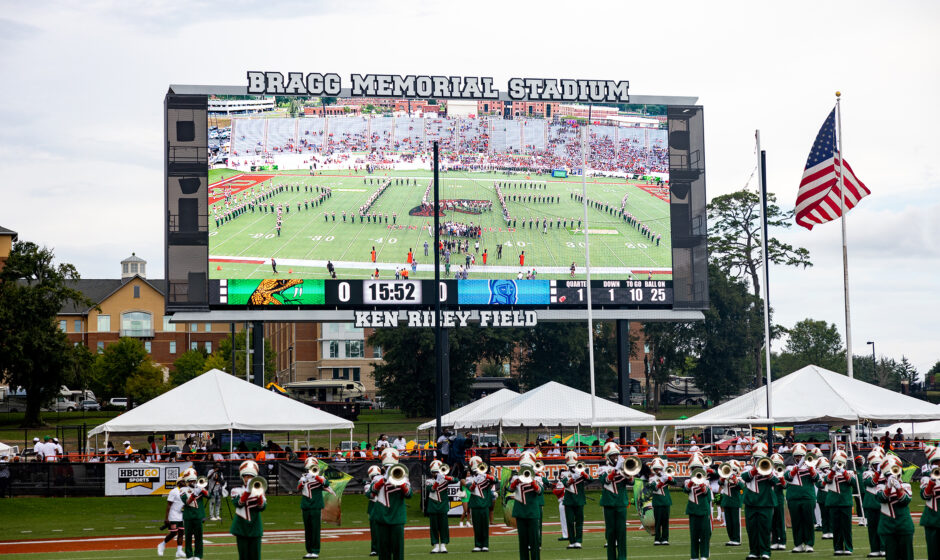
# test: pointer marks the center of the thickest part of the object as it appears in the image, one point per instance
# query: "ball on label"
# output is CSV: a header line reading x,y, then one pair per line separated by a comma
x,y
562,299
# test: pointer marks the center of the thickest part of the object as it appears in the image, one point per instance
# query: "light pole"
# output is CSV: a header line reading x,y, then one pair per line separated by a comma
x,y
874,362
290,363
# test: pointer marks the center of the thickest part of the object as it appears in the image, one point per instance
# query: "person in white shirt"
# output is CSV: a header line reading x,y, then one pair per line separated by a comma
x,y
399,444
48,450
59,451
173,520
381,443
37,448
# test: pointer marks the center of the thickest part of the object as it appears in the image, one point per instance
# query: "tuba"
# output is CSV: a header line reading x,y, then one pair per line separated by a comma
x,y
202,482
444,470
725,470
526,474
765,467
397,475
257,486
631,467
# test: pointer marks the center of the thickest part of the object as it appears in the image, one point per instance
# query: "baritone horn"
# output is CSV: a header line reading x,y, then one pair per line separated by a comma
x,y
765,467
257,487
725,470
631,467
397,475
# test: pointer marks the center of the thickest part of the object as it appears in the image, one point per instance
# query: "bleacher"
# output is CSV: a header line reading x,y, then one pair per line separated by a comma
x,y
248,136
281,134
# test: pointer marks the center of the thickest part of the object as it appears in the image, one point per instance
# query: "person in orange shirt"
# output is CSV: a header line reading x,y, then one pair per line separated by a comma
x,y
373,253
410,256
522,258
260,455
484,256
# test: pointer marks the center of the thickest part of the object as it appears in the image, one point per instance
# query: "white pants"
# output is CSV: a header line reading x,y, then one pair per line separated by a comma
x,y
561,517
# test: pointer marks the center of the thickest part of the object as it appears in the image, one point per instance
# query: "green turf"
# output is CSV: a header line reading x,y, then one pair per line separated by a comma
x,y
307,236
62,518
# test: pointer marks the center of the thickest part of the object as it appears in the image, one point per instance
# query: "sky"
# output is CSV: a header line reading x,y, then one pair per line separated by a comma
x,y
81,118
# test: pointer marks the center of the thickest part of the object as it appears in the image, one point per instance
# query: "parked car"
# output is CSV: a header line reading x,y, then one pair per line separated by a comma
x,y
365,404
120,402
90,404
62,404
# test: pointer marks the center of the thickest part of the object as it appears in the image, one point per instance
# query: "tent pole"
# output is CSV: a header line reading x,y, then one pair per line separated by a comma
x,y
331,440
308,441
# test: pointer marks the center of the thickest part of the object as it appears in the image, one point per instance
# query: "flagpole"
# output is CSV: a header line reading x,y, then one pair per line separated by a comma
x,y
845,250
761,166
585,143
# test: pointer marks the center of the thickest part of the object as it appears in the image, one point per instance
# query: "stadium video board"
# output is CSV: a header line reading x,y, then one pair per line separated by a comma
x,y
327,203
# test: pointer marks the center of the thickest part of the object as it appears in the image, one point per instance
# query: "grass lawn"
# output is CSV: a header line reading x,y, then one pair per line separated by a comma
x,y
45,518
308,238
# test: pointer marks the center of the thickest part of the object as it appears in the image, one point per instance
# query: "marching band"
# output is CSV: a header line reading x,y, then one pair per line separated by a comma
x,y
809,486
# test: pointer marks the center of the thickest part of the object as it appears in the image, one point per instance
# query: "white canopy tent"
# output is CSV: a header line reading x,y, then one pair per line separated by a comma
x,y
217,401
550,405
926,430
491,400
814,394
7,450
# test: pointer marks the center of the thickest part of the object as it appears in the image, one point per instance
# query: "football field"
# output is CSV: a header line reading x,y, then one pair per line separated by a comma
x,y
311,235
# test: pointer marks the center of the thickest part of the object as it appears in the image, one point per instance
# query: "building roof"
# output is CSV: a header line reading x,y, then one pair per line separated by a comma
x,y
101,289
133,258
5,231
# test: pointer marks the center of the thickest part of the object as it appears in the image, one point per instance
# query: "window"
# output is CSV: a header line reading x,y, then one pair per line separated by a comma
x,y
355,372
208,327
78,325
62,325
336,373
104,323
167,325
334,349
377,352
354,349
208,347
147,346
136,292
194,327
341,330
100,347
126,269
133,268
136,323
172,347
194,345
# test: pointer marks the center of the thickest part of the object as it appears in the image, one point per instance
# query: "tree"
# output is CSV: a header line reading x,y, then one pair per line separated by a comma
x,y
559,352
907,372
34,354
221,359
327,101
406,379
118,363
929,379
146,383
812,343
735,245
667,352
80,373
188,365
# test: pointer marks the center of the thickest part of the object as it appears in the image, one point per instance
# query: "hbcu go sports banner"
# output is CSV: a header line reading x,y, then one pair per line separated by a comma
x,y
141,479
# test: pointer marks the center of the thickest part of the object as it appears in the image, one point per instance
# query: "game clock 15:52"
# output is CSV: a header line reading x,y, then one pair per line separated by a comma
x,y
379,292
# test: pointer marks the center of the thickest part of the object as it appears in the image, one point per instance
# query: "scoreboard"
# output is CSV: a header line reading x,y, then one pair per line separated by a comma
x,y
333,294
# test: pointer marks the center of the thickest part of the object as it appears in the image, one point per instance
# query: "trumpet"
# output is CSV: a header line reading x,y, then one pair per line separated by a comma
x,y
631,467
444,470
202,482
483,468
670,470
698,476
838,464
765,467
526,474
397,475
725,470
896,471
257,487
935,473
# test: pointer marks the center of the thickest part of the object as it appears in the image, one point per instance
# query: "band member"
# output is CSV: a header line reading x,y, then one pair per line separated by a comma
x,y
525,486
540,498
390,491
481,486
930,492
870,479
699,509
841,483
662,501
173,520
801,481
759,501
615,497
373,472
311,486
438,506
249,502
217,490
574,481
194,512
730,489
822,494
778,524
895,526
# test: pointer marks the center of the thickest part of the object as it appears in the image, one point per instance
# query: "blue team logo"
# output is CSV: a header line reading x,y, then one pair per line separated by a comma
x,y
503,292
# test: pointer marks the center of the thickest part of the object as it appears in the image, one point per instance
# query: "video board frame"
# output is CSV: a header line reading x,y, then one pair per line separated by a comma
x,y
190,288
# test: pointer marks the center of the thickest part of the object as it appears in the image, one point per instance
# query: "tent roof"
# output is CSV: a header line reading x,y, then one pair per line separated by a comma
x,y
814,394
552,404
929,430
218,401
492,399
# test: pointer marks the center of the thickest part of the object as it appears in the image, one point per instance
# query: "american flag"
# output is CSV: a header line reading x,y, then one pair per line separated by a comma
x,y
819,200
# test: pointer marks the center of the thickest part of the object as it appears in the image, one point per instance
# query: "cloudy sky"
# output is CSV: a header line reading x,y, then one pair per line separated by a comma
x,y
81,113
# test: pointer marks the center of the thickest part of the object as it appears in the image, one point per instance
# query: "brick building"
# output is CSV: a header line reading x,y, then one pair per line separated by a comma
x,y
7,238
518,108
132,306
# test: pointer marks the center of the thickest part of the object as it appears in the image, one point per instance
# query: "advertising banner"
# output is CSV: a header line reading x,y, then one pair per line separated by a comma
x,y
141,479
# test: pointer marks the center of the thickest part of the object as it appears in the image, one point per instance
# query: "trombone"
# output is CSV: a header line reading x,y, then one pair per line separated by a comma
x,y
257,487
